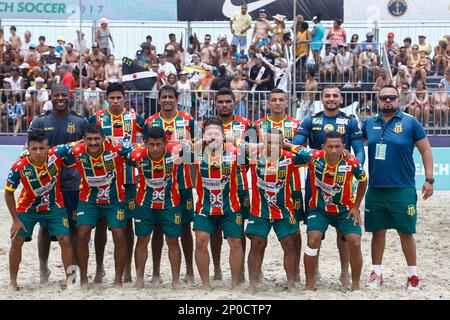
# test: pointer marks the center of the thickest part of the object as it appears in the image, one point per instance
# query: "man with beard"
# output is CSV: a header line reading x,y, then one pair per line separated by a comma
x,y
218,202
123,125
102,195
391,198
260,34
313,130
61,126
235,128
179,128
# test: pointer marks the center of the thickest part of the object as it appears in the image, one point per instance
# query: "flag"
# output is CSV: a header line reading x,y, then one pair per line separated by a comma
x,y
196,74
136,77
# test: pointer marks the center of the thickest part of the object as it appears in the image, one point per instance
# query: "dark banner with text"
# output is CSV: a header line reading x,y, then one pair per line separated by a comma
x,y
219,10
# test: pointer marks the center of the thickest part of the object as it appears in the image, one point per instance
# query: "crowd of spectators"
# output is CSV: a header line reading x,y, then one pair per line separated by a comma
x,y
28,68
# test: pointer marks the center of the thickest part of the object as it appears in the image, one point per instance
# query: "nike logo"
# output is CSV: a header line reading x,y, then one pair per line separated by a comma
x,y
229,8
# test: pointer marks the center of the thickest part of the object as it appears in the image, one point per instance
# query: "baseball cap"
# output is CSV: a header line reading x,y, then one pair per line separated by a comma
x,y
183,72
39,79
94,45
51,44
422,35
61,38
369,34
24,66
390,35
104,20
32,46
262,10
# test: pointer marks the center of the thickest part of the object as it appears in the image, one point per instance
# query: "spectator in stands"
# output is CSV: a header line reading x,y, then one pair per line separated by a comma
x,y
240,23
402,76
17,82
14,114
177,47
165,67
354,47
344,64
238,85
25,46
258,80
92,98
441,56
148,40
391,46
369,41
327,64
173,56
32,56
103,36
188,55
303,41
50,58
184,88
421,106
40,92
367,66
70,56
381,81
424,46
364,108
308,97
336,35
15,41
223,55
80,44
67,78
278,29
317,34
281,72
41,47
6,66
400,59
2,44
97,54
446,81
171,80
61,46
222,80
406,96
97,73
440,102
407,43
262,27
423,65
113,72
207,52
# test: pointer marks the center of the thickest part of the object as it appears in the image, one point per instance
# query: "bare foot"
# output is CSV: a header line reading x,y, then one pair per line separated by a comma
x,y
139,284
345,280
99,275
309,287
13,287
84,286
156,279
175,285
189,278
44,275
355,286
118,283
242,278
218,274
127,278
291,287
206,287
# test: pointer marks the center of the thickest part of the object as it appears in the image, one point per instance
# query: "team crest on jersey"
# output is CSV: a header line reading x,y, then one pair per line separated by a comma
x,y
177,219
341,129
71,128
328,127
109,165
120,214
65,222
180,133
398,127
226,170
189,204
289,134
27,173
340,178
52,170
292,220
169,168
411,210
239,219
282,173
127,126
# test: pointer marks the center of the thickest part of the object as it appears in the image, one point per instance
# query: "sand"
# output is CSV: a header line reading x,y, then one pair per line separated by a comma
x,y
433,247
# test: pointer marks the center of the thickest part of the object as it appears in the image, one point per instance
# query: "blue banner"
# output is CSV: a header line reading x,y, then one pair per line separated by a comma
x,y
136,10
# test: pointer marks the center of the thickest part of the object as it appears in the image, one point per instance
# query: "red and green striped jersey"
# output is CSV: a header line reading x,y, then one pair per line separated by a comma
x,y
271,186
181,127
289,127
332,186
102,178
217,182
159,181
124,127
41,185
237,129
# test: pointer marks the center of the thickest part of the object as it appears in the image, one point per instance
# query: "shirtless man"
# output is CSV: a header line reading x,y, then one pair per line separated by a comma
x,y
262,27
97,54
97,73
382,81
224,56
238,85
15,41
32,57
174,57
41,47
309,96
207,53
173,42
70,57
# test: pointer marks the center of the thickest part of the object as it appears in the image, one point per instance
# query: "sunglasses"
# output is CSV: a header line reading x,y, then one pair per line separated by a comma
x,y
390,97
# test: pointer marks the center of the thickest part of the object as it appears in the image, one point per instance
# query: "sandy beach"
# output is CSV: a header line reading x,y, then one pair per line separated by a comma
x,y
433,247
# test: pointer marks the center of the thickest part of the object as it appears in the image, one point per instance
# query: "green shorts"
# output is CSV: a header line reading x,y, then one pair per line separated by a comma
x,y
391,208
230,223
297,199
89,213
186,205
319,220
261,227
244,200
55,219
145,220
130,200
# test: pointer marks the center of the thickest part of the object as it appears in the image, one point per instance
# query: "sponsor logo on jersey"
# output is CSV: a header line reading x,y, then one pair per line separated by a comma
x,y
345,168
328,127
317,121
341,121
